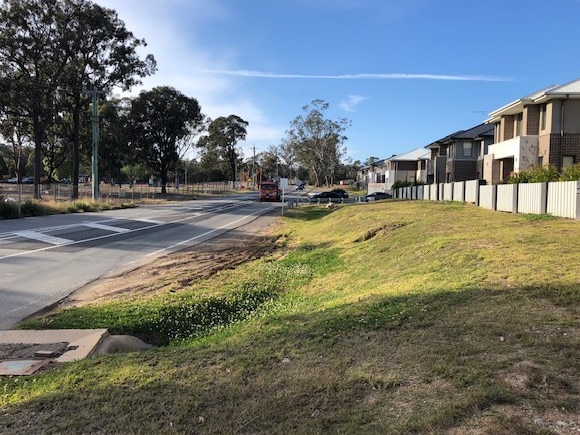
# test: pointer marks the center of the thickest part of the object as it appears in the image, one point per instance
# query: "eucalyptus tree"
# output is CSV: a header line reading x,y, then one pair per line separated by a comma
x,y
105,57
115,150
287,157
318,142
12,130
271,162
223,135
32,63
164,124
211,166
56,148
51,51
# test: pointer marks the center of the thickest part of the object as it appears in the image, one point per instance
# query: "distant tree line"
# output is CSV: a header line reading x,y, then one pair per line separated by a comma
x,y
56,55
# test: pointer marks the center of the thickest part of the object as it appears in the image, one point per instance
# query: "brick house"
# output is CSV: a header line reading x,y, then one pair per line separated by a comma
x,y
539,129
371,174
380,175
410,166
459,156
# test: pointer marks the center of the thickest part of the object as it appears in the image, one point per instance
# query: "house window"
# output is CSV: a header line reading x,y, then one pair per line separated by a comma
x,y
567,161
467,149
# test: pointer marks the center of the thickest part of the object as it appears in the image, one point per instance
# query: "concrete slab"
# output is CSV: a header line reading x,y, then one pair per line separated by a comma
x,y
21,367
81,342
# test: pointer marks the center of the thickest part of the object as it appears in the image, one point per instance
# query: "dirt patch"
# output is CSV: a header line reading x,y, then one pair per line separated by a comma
x,y
177,270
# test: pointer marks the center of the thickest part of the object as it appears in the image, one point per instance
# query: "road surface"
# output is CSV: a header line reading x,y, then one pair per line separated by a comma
x,y
43,259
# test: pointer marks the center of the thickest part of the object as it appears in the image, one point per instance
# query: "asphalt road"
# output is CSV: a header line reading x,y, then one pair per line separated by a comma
x,y
43,259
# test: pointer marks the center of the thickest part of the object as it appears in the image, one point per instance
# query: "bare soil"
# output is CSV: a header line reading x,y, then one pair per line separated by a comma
x,y
177,270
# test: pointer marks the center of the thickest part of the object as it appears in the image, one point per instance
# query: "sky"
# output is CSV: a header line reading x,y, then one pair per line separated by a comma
x,y
405,73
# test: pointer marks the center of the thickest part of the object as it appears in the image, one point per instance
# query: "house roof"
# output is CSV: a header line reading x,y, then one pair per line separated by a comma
x,y
417,154
480,130
568,90
443,139
552,92
375,164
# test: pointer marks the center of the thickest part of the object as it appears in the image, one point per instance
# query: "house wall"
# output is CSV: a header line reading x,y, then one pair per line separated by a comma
x,y
479,169
393,176
560,146
461,170
508,127
531,120
560,137
497,132
544,143
571,115
465,170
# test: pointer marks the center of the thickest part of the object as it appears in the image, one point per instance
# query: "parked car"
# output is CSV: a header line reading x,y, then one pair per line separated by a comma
x,y
325,195
341,192
377,195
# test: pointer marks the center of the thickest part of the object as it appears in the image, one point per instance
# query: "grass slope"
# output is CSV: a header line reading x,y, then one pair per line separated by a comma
x,y
391,317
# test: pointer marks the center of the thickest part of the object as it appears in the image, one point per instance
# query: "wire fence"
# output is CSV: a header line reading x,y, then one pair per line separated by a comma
x,y
124,192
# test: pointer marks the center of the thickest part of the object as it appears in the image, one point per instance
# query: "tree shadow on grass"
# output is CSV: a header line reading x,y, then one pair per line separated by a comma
x,y
382,364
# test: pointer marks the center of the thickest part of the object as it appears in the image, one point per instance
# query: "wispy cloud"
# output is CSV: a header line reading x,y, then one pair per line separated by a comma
x,y
351,102
385,76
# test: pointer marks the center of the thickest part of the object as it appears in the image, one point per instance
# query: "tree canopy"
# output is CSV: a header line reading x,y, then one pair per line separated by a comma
x,y
163,125
318,142
50,52
223,134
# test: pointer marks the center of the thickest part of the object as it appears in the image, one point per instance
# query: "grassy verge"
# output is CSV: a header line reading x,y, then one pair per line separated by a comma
x,y
394,317
31,207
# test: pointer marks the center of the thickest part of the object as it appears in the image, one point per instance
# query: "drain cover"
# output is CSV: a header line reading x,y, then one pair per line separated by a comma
x,y
21,367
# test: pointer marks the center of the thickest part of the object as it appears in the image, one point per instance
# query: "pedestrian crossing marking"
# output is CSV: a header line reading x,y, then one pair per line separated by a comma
x,y
41,237
106,227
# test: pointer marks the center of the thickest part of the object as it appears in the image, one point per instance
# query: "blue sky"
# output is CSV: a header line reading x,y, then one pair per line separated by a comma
x,y
404,72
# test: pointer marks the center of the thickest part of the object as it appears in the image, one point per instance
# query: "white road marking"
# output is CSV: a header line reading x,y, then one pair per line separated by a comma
x,y
152,224
42,237
168,248
106,227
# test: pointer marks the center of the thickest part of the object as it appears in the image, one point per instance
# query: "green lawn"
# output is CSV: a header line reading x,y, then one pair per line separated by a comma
x,y
387,317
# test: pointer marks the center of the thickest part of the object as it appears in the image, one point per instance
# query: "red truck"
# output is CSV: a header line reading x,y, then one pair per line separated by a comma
x,y
269,191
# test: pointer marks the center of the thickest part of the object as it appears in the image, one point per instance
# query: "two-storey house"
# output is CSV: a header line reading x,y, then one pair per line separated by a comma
x,y
539,129
410,167
459,156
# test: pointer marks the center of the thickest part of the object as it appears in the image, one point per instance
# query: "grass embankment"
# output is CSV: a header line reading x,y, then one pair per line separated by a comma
x,y
390,317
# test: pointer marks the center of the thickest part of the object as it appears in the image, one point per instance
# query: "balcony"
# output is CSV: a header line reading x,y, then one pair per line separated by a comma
x,y
522,149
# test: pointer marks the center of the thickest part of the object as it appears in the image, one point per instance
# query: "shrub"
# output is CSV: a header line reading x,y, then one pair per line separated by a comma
x,y
35,208
398,184
571,173
537,174
8,209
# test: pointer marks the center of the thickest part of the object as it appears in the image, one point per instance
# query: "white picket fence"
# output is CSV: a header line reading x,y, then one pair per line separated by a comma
x,y
558,198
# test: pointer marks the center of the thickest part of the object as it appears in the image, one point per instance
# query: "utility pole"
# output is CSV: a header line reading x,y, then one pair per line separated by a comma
x,y
95,157
254,167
